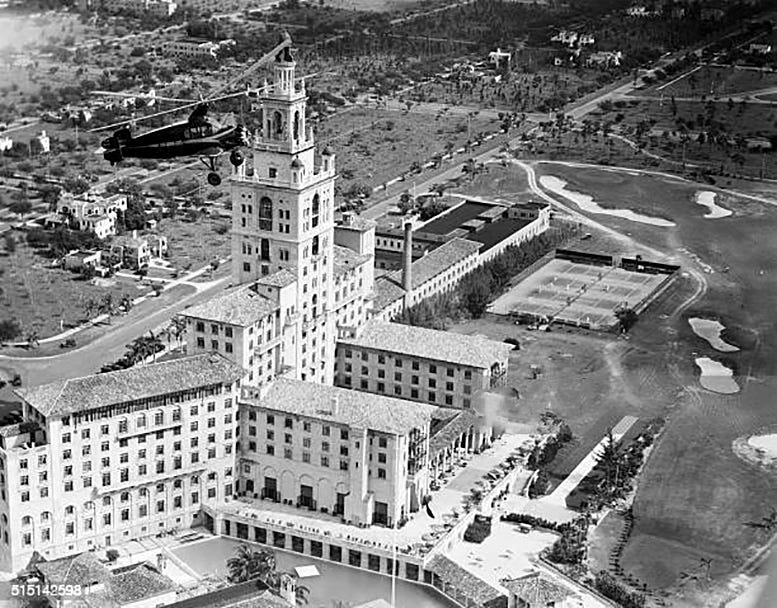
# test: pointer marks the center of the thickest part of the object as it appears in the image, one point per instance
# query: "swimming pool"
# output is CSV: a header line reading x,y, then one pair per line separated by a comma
x,y
336,582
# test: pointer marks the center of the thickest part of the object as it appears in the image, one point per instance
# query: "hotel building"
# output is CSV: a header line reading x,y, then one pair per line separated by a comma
x,y
420,364
106,458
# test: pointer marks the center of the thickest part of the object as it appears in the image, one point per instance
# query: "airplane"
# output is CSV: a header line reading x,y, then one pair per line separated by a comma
x,y
199,135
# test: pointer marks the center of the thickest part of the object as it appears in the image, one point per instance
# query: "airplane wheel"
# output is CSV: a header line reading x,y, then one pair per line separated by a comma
x,y
236,158
214,179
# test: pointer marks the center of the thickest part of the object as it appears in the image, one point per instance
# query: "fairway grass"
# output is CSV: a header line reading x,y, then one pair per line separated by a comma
x,y
694,493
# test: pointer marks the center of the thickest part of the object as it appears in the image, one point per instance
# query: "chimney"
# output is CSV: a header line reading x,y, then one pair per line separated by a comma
x,y
407,261
335,406
134,233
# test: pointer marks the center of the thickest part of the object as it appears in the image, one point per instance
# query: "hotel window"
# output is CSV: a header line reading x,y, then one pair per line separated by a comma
x,y
432,368
432,383
415,365
287,438
381,359
324,461
365,384
467,374
306,442
325,446
348,353
397,389
449,386
449,371
270,419
398,362
467,389
228,332
86,450
124,475
381,373
448,399
200,326
343,465
306,427
194,425
344,434
287,453
398,376
382,457
252,446
193,410
195,457
343,450
85,434
414,379
105,446
66,438
142,469
365,371
106,479
381,473
465,402
214,329
288,423
271,450
432,397
365,357
382,442
305,457
214,344
270,433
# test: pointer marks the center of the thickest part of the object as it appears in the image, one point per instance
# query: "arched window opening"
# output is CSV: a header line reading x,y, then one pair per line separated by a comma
x,y
277,123
296,125
314,246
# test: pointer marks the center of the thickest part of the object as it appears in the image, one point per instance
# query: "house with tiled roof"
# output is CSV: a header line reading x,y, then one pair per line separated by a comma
x,y
420,364
538,590
105,458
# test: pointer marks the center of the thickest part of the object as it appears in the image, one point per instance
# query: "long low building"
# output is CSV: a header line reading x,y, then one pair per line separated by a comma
x,y
420,364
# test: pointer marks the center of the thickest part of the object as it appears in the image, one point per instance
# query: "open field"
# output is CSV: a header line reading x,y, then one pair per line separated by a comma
x,y
712,81
371,5
38,297
194,244
374,146
577,294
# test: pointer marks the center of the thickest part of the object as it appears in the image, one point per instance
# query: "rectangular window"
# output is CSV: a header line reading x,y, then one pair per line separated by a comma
x,y
324,461
287,453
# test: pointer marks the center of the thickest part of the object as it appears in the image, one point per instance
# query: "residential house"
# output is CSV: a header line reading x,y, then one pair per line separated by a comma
x,y
131,251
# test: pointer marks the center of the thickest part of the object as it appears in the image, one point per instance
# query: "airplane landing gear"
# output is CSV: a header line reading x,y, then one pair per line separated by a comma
x,y
236,158
214,179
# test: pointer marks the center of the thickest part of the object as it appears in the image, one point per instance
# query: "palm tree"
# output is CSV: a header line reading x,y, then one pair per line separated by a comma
x,y
106,304
89,307
177,328
249,564
33,339
126,302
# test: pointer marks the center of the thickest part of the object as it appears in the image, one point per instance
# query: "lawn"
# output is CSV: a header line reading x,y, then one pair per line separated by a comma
x,y
39,297
373,146
712,81
499,183
694,490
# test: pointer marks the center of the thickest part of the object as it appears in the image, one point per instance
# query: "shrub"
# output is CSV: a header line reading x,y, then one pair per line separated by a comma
x,y
112,555
478,530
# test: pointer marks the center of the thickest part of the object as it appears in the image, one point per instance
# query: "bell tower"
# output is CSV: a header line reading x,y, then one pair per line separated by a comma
x,y
283,220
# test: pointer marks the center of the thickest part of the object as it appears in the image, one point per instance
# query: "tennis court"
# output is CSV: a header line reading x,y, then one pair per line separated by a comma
x,y
578,294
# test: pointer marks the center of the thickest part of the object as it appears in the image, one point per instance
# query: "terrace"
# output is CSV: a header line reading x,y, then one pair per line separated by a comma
x,y
487,473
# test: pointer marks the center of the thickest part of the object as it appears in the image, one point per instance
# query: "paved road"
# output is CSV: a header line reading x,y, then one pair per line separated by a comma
x,y
108,347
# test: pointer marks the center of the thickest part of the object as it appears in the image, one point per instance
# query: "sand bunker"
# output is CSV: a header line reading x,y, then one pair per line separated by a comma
x,y
758,449
716,377
706,198
587,203
710,331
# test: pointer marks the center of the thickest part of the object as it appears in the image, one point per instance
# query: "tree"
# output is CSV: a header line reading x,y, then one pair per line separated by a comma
x,y
627,317
21,207
126,302
177,328
610,459
89,307
476,295
76,184
406,203
9,329
249,564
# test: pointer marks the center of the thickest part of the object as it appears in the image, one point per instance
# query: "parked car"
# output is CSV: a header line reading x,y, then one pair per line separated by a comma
x,y
512,341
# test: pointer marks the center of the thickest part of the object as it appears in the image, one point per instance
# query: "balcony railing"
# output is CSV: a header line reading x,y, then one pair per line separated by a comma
x,y
306,502
271,494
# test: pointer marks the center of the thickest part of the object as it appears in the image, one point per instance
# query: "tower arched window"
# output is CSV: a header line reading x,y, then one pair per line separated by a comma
x,y
316,209
277,121
314,246
296,125
265,213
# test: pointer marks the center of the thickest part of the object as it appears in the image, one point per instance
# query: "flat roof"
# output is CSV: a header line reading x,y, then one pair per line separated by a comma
x,y
240,306
432,344
65,397
496,232
457,216
345,406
